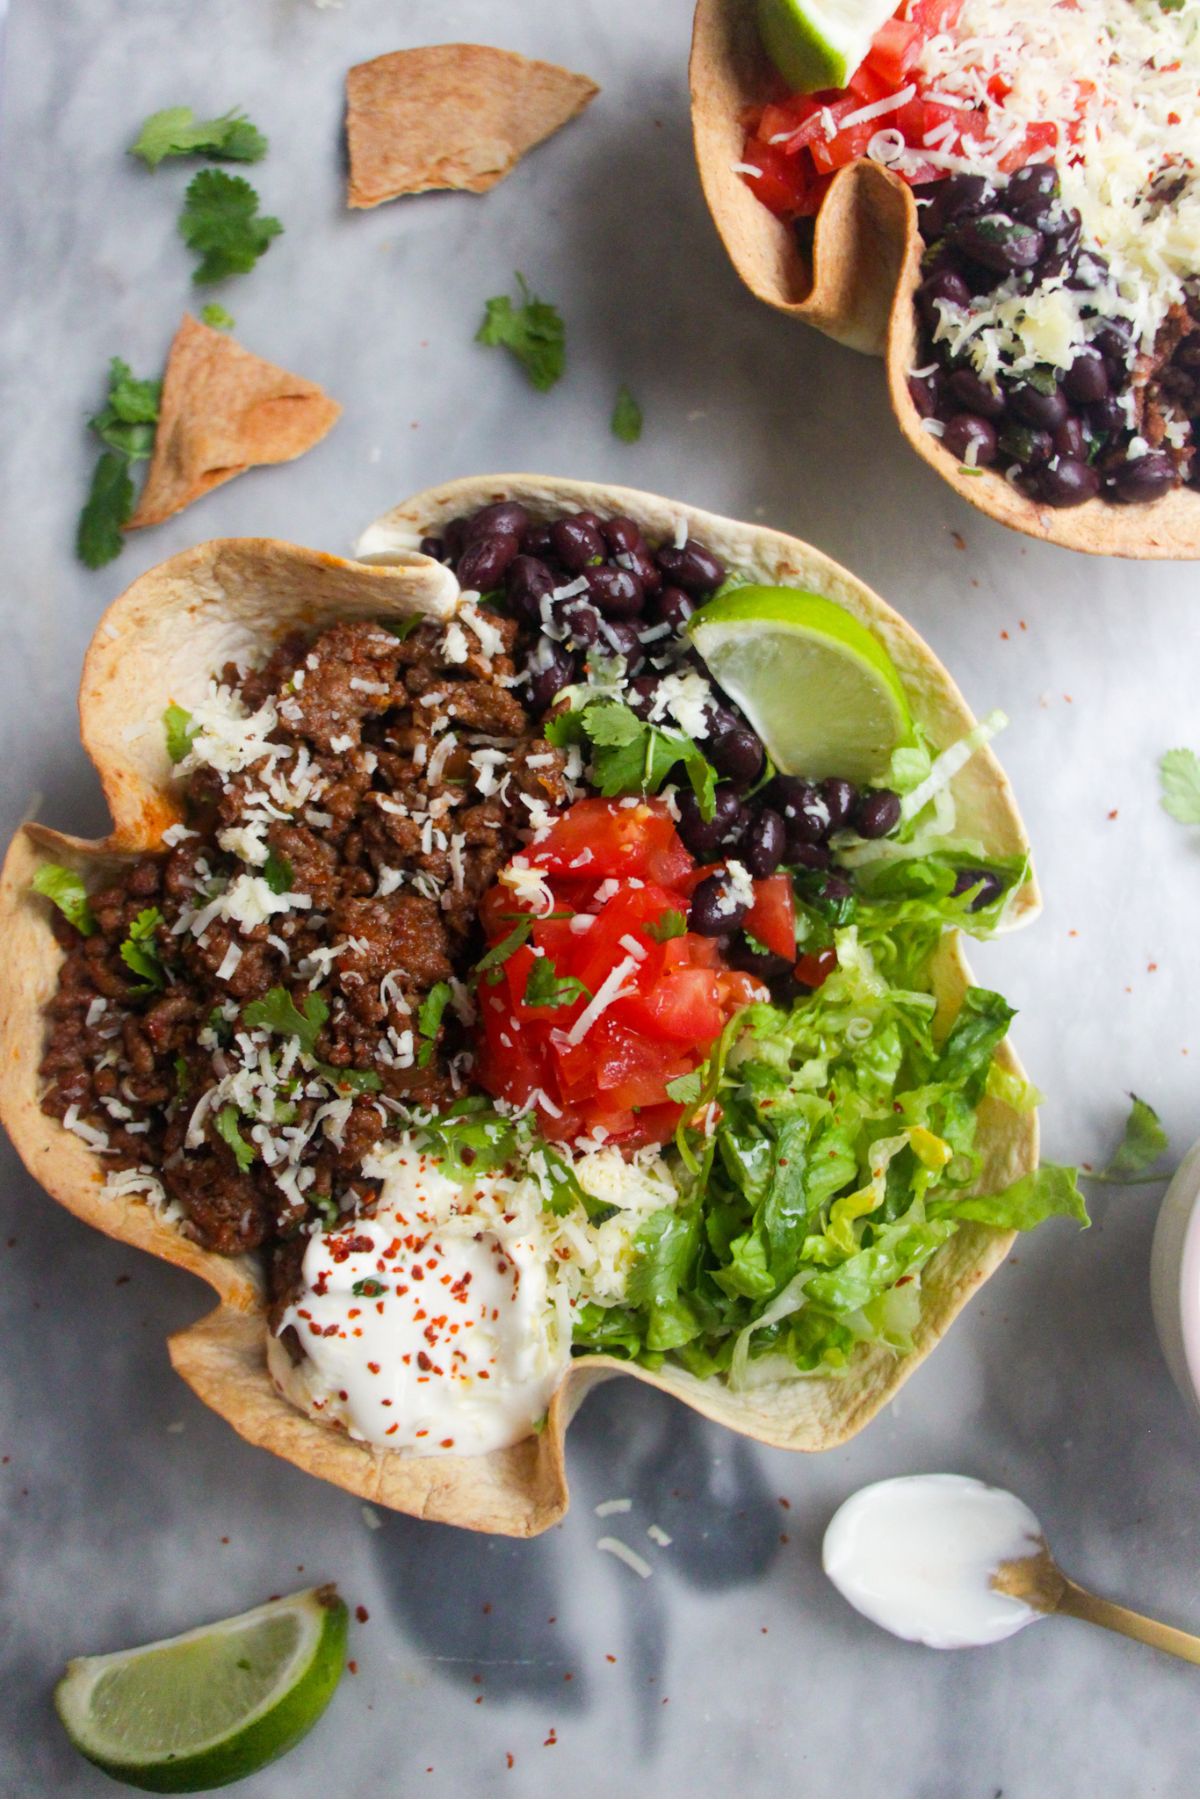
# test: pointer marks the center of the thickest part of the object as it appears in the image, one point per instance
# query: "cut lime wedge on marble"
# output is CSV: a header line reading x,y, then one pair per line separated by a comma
x,y
213,1705
820,43
817,686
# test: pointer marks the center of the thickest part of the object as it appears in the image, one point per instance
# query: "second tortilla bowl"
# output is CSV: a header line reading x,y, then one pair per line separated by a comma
x,y
857,285
155,649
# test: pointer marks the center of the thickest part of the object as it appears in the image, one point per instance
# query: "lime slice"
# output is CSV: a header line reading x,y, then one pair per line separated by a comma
x,y
206,1708
818,688
819,43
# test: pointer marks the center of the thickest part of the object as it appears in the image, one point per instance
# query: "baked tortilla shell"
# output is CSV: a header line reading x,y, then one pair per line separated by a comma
x,y
159,642
859,284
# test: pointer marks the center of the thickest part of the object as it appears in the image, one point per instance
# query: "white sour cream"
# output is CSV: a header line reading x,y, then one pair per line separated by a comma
x,y
452,1344
917,1555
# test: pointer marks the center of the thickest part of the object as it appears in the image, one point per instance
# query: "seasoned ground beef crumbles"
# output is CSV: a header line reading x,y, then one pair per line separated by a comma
x,y
254,1004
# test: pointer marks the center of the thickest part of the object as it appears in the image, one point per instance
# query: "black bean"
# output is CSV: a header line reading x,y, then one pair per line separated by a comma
x,y
1091,272
950,200
551,670
764,843
704,837
715,907
616,592
1143,477
802,808
1062,238
965,430
1086,381
675,607
454,536
877,813
507,518
1107,417
617,637
943,285
1045,411
808,856
621,534
1072,439
840,797
639,696
737,753
433,546
975,396
923,392
484,561
999,243
577,543
1115,338
527,580
720,718
693,568
1066,481
639,562
583,623
1030,189
1022,444
990,887
536,540
587,517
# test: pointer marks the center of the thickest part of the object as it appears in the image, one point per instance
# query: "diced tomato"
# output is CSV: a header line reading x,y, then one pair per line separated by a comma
x,y
932,17
813,968
772,918
598,838
786,185
847,146
684,1006
1040,137
868,84
894,49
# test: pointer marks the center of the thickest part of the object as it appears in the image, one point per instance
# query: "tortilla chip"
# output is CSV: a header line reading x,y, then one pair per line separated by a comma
x,y
223,411
858,288
158,643
450,116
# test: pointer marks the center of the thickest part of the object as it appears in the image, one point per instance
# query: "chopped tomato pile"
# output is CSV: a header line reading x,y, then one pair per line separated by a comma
x,y
798,143
595,995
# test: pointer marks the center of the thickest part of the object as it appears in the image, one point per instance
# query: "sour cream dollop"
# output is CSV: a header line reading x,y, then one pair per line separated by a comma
x,y
917,1555
429,1327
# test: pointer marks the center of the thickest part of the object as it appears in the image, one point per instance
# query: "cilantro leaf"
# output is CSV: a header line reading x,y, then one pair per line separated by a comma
x,y
177,723
429,1019
278,874
221,222
216,317
489,964
68,893
139,952
354,1081
533,331
686,1089
671,924
128,418
227,1123
98,537
631,756
1142,1143
545,987
278,1012
176,131
1179,776
626,418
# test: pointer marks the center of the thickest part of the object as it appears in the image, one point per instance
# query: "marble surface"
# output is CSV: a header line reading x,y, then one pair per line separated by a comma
x,y
129,1511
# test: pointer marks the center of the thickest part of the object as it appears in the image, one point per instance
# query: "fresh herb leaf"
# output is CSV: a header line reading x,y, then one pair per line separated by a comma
x,y
1179,775
685,1090
109,505
128,418
403,628
429,1019
139,952
278,873
352,1081
545,987
68,893
327,1207
219,1025
490,963
626,417
227,1127
368,1289
177,723
182,1076
532,330
631,756
176,131
1142,1143
278,1012
216,316
221,222
671,924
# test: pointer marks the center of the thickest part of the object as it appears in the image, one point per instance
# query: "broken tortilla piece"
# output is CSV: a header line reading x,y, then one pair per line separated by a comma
x,y
450,116
222,411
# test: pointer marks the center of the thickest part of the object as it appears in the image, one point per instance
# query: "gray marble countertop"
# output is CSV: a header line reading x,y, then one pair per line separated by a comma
x,y
130,1511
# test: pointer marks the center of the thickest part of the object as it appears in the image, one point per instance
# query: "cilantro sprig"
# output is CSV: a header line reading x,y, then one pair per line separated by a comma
x,y
631,756
278,873
429,1019
277,1012
176,131
533,330
221,222
544,986
669,924
139,952
228,1123
126,425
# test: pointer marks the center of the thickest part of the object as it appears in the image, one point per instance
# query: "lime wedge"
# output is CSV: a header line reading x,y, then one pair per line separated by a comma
x,y
819,43
209,1707
819,689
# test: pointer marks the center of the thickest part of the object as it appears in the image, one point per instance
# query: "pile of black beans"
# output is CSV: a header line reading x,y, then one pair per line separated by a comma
x,y
1064,430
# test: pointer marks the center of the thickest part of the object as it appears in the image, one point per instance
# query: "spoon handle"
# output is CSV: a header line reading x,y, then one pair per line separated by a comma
x,y
1081,1605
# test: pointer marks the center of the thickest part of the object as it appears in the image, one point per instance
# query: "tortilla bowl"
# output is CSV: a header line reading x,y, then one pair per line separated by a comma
x,y
858,288
158,643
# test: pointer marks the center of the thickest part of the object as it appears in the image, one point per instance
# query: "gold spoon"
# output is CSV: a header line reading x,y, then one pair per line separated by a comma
x,y
1040,1583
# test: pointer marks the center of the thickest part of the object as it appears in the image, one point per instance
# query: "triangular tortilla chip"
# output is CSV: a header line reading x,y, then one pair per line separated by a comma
x,y
450,116
223,410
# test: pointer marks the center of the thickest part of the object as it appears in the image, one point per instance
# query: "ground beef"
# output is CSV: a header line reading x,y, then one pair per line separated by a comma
x,y
391,831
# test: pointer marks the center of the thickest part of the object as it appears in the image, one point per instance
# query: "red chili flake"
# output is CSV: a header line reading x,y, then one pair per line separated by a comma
x,y
478,1680
1151,968
784,1538
361,1614
508,1757
763,1629
608,1658
552,1739
225,1540
479,1699
423,1361
786,1504
1113,813
374,1368
1004,635
568,1676
487,1606
447,1443
353,1667
959,541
